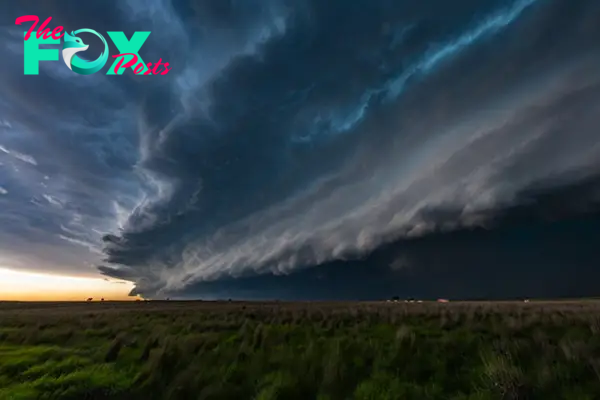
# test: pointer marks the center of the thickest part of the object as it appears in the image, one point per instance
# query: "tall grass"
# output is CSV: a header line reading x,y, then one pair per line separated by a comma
x,y
264,351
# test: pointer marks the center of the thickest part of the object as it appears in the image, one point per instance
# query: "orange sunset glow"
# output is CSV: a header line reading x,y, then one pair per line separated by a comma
x,y
32,286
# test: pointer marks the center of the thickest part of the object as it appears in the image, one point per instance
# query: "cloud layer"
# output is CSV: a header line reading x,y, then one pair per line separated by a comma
x,y
289,135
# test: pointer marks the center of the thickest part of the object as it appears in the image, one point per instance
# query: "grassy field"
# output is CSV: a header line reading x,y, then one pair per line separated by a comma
x,y
366,351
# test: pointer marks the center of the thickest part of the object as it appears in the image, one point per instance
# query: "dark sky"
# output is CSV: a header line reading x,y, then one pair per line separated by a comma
x,y
311,149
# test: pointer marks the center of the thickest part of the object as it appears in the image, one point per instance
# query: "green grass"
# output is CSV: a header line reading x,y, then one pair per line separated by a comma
x,y
269,351
39,371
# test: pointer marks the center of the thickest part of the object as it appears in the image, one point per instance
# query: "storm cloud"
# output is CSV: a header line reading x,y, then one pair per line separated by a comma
x,y
296,138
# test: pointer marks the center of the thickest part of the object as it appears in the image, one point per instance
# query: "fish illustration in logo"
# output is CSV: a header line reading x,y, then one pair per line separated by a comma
x,y
73,45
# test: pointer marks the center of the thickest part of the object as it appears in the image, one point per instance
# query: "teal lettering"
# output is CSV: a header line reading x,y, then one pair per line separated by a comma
x,y
132,46
33,53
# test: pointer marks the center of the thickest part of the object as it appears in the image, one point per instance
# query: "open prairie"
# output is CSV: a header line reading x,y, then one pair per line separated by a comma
x,y
277,350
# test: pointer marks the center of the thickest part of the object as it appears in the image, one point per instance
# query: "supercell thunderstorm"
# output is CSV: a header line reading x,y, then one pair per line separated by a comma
x,y
291,135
